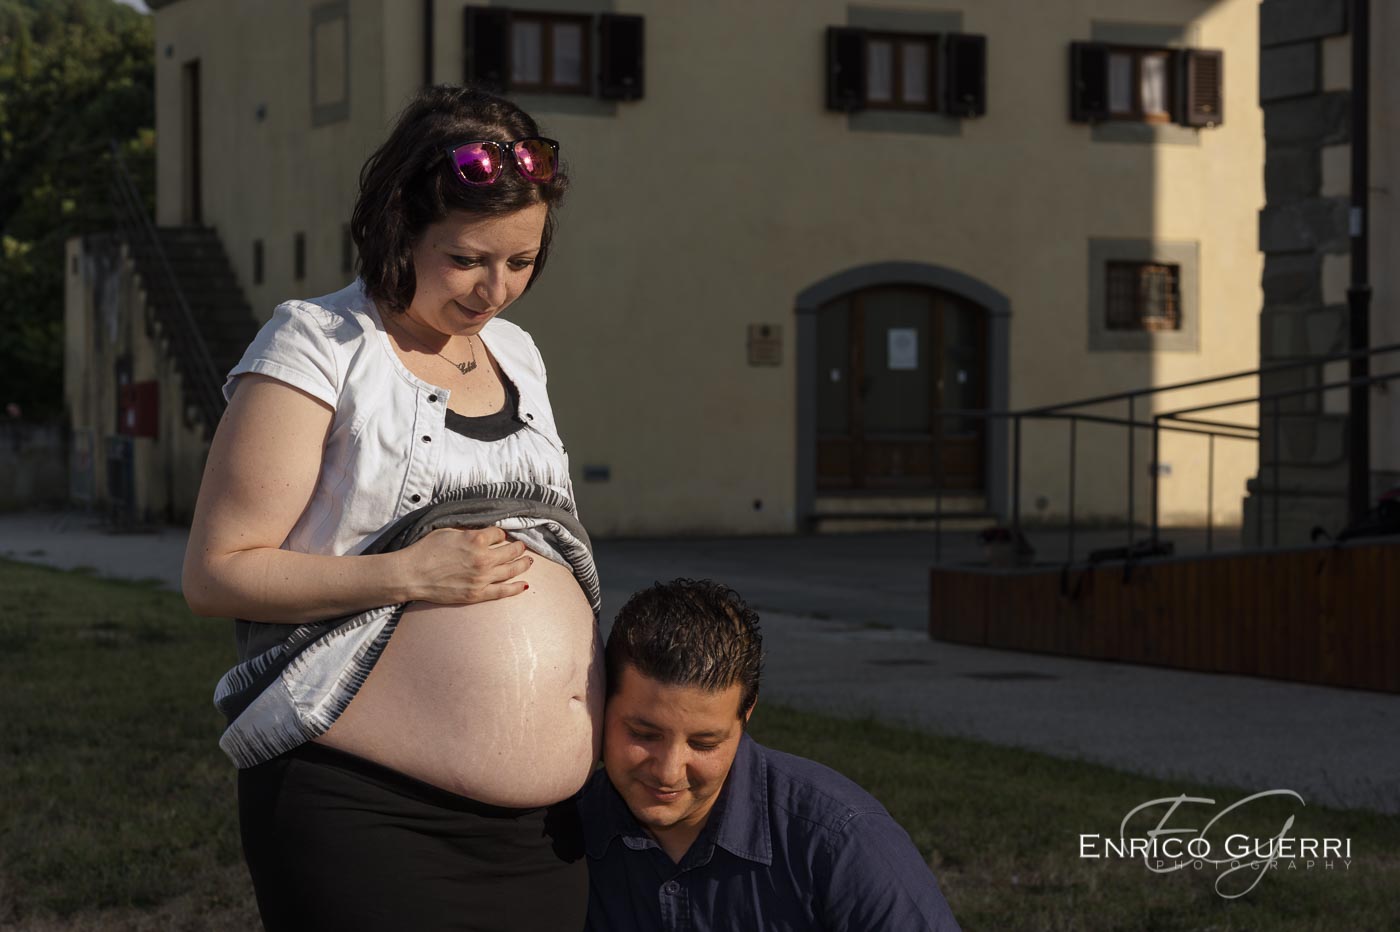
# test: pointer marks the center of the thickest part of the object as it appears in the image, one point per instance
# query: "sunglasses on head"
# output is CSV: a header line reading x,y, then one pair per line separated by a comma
x,y
480,162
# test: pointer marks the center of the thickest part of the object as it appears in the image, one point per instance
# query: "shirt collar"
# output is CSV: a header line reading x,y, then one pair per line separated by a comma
x,y
739,822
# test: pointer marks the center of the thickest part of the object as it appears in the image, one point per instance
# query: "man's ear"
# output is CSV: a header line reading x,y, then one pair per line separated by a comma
x,y
749,713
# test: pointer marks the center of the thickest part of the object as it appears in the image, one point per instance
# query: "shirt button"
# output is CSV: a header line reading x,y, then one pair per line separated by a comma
x,y
673,888
432,399
415,498
530,417
427,439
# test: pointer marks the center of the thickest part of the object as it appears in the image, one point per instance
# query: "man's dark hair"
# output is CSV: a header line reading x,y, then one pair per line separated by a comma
x,y
409,183
689,632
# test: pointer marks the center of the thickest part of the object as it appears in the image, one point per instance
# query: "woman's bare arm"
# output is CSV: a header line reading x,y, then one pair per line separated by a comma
x,y
260,475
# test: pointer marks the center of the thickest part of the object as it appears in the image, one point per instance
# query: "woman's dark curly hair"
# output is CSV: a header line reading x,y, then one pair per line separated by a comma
x,y
409,184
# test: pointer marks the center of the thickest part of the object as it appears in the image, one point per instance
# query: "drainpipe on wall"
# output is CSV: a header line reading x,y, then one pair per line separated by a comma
x,y
427,43
1359,291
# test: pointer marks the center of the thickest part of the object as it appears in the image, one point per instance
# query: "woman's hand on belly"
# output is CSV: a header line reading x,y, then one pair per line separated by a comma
x,y
465,566
501,701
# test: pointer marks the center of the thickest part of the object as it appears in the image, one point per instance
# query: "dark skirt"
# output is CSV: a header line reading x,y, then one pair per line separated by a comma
x,y
334,841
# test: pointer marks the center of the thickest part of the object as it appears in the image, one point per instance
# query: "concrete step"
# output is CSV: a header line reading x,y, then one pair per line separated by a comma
x,y
957,511
197,259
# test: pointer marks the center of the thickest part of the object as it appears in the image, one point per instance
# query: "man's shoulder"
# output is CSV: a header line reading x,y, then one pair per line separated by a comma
x,y
813,795
596,784
602,814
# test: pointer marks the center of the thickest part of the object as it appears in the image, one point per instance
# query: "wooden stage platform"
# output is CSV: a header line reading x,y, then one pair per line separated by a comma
x,y
1326,615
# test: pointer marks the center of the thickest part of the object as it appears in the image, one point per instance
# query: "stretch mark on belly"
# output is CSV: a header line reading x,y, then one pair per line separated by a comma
x,y
527,661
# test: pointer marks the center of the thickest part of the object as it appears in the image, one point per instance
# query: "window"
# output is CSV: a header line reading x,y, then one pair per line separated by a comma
x,y
899,71
548,53
330,62
553,53
1145,84
1137,85
931,72
1142,296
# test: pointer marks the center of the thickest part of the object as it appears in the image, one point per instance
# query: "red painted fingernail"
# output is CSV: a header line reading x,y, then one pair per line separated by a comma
x,y
527,585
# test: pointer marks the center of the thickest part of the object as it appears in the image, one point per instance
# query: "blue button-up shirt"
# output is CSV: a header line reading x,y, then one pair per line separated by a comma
x,y
790,845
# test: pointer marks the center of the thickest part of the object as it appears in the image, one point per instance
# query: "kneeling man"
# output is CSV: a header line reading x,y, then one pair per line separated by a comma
x,y
694,825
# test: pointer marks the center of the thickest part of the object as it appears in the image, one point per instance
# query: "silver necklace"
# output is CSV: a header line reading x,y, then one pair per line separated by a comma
x,y
469,365
462,367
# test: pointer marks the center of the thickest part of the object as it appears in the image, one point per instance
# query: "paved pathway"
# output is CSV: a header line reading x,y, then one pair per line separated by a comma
x,y
843,617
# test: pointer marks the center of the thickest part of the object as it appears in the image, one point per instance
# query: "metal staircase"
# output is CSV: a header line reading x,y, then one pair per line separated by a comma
x,y
193,297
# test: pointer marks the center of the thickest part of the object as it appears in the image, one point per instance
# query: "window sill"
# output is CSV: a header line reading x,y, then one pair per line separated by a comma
x,y
1152,134
918,122
572,104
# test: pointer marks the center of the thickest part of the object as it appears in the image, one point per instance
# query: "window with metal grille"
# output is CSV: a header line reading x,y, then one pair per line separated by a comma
x,y
1143,296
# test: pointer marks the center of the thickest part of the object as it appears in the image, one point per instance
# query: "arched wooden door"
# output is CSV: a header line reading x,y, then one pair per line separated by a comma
x,y
888,359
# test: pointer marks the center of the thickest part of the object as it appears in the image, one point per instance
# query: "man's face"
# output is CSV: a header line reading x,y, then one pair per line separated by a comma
x,y
667,750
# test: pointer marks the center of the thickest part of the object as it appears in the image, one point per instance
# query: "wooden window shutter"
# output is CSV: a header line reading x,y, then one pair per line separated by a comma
x,y
965,75
1088,82
845,68
1202,87
486,42
621,56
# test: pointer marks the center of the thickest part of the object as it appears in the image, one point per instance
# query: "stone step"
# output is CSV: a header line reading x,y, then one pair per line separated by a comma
x,y
958,511
914,521
196,258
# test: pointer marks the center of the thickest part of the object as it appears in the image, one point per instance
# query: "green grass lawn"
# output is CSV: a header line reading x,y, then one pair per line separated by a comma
x,y
117,808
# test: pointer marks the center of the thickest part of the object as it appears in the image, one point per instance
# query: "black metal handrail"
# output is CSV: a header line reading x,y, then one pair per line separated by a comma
x,y
167,298
1172,421
1277,462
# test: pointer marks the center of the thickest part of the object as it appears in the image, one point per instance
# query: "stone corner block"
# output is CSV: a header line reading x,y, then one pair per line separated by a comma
x,y
1292,70
1315,120
1283,21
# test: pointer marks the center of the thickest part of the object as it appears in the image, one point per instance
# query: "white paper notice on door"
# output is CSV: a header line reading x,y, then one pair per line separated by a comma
x,y
903,352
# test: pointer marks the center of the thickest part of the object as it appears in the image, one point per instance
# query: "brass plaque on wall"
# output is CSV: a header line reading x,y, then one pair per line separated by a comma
x,y
765,345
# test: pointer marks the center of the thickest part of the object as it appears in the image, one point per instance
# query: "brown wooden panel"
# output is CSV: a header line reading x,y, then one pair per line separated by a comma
x,y
1338,588
1113,636
1387,612
1366,575
1244,604
835,466
898,461
1318,616
1253,621
1185,631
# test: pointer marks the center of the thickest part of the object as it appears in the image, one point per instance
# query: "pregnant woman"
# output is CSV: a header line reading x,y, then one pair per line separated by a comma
x,y
387,511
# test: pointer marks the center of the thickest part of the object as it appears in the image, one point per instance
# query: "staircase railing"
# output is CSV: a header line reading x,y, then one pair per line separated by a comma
x,y
1140,404
203,383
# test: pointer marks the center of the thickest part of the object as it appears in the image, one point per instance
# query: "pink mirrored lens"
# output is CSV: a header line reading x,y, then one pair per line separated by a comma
x,y
477,162
535,158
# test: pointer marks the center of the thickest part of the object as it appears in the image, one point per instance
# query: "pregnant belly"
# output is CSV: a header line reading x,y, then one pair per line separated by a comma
x,y
500,701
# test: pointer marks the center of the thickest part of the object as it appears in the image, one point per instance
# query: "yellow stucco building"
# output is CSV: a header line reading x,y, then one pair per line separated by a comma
x,y
797,228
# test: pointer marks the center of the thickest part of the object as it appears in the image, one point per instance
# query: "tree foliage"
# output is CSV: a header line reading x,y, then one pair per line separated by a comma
x,y
74,74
